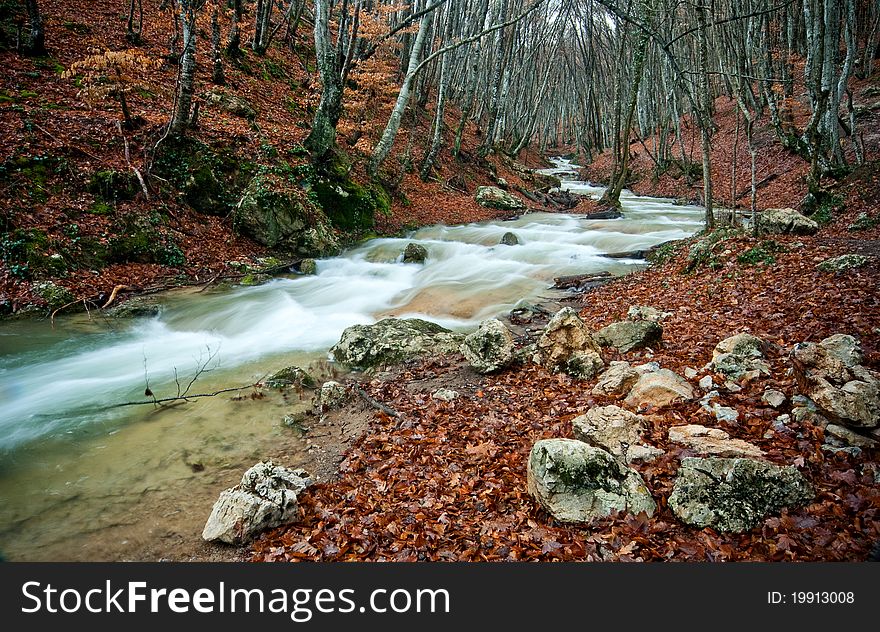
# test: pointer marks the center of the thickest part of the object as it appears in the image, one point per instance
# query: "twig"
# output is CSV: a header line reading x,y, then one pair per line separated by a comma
x,y
113,294
182,397
377,405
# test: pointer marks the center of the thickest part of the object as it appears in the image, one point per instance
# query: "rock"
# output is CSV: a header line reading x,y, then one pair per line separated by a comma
x,y
641,312
706,383
490,348
659,389
297,420
291,376
647,367
609,427
608,213
415,253
232,104
566,345
54,295
849,437
627,335
493,197
734,494
690,373
273,213
724,414
773,398
712,441
830,375
445,395
643,453
739,354
843,263
308,267
332,395
576,482
784,221
509,239
392,341
617,380
267,497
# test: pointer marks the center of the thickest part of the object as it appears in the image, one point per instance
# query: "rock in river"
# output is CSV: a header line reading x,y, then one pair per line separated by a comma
x,y
392,341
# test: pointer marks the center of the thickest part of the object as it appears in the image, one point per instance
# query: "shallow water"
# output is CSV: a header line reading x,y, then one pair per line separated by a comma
x,y
70,464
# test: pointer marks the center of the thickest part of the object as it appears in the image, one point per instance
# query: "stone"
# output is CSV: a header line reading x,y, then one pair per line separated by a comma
x,y
578,483
566,345
617,380
784,221
849,437
393,341
830,375
843,263
724,414
290,376
490,348
734,494
659,389
706,383
493,197
267,497
54,295
712,441
509,239
643,453
690,373
273,213
308,267
773,398
627,335
232,104
415,253
739,354
332,395
609,427
642,312
444,395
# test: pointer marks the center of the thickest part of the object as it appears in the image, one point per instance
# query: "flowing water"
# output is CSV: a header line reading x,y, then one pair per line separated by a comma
x,y
72,465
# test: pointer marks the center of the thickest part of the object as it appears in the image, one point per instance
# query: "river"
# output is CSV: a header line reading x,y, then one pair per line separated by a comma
x,y
81,479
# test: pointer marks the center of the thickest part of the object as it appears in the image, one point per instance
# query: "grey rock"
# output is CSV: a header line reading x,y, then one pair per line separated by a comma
x,y
784,221
773,398
659,389
444,395
291,376
712,441
509,239
267,497
643,312
706,383
690,373
393,341
55,295
414,253
609,427
235,105
493,197
490,348
617,380
849,437
627,335
578,483
734,494
734,357
843,263
308,267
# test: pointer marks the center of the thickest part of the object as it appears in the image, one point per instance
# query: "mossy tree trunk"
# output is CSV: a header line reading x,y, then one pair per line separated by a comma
x,y
37,43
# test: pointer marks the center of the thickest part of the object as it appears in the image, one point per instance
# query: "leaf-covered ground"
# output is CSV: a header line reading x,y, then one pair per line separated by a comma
x,y
449,481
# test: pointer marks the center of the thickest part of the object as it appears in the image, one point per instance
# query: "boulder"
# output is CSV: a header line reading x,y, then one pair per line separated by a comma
x,y
830,374
658,389
566,345
784,221
509,239
414,253
734,494
611,428
275,214
642,312
493,197
773,398
332,395
627,335
290,376
392,341
54,295
490,348
712,441
843,263
232,104
308,267
736,356
848,437
267,497
444,395
617,380
576,482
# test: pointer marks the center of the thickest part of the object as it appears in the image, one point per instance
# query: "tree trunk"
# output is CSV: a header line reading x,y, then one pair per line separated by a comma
x,y
217,75
37,43
233,44
323,134
180,119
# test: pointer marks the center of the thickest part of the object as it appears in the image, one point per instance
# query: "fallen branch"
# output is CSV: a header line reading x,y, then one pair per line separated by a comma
x,y
377,405
183,398
113,294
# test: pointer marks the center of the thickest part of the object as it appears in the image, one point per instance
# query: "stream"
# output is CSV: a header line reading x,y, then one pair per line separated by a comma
x,y
82,479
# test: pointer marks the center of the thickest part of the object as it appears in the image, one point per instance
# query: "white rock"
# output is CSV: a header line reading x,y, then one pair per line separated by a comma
x,y
712,442
659,389
773,398
445,394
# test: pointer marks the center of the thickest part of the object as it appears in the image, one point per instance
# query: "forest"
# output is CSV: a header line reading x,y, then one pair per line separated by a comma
x,y
440,280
